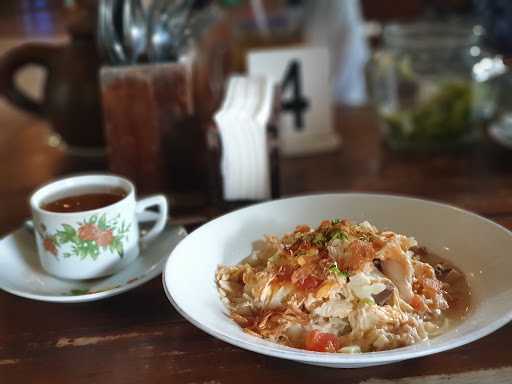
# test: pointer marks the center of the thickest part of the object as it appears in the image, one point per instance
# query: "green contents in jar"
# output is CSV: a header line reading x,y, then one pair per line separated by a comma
x,y
446,115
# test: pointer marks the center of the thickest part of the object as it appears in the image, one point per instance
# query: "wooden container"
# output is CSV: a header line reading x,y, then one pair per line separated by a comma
x,y
157,118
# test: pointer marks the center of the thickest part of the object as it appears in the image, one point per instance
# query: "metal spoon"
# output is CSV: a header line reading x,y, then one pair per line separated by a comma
x,y
167,21
103,39
134,30
108,38
115,29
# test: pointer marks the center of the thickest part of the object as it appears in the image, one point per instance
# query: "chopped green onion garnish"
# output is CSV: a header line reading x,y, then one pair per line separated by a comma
x,y
335,221
338,234
368,301
319,239
334,269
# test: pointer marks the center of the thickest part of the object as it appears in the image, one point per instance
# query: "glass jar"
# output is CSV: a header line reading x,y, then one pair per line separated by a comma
x,y
428,85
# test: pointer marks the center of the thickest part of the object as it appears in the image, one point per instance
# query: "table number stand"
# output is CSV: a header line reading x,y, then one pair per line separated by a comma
x,y
306,122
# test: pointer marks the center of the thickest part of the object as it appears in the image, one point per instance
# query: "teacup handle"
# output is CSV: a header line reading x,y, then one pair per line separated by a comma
x,y
161,217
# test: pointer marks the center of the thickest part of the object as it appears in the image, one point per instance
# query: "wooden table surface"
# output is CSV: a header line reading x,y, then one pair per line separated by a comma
x,y
138,337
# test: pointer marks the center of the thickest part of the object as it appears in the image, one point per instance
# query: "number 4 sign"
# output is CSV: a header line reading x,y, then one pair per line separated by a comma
x,y
306,120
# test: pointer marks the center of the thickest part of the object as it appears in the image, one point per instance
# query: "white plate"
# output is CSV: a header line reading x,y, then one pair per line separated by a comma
x,y
21,273
478,246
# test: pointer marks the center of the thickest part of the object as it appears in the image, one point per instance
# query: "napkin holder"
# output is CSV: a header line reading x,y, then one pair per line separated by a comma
x,y
216,153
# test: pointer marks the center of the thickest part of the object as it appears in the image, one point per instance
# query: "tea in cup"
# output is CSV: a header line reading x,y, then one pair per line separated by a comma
x,y
87,227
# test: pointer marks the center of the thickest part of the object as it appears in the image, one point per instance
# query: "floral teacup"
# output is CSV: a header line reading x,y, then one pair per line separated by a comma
x,y
92,243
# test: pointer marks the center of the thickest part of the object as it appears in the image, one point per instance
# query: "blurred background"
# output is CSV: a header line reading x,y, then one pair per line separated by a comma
x,y
138,87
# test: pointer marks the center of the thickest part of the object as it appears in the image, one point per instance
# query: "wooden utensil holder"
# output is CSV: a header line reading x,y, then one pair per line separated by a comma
x,y
156,122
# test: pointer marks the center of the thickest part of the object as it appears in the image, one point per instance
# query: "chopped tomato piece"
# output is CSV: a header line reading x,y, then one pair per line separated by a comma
x,y
303,229
321,341
309,282
417,302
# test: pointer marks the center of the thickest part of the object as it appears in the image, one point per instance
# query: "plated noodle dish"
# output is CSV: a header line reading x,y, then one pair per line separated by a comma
x,y
343,288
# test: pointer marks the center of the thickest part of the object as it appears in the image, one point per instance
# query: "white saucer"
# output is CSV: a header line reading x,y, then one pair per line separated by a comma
x,y
21,273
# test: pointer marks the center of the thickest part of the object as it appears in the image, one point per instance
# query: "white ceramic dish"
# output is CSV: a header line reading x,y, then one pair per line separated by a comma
x,y
478,246
21,273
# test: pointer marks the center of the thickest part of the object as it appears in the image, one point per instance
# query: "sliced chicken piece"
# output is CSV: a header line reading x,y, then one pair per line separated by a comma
x,y
397,266
401,275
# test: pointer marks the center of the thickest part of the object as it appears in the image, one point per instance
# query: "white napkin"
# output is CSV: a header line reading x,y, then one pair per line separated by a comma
x,y
242,122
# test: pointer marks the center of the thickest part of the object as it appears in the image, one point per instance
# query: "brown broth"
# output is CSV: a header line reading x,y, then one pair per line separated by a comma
x,y
85,202
458,291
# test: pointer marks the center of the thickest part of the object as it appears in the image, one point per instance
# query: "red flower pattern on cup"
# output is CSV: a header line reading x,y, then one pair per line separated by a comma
x,y
49,245
105,238
89,238
88,232
91,232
